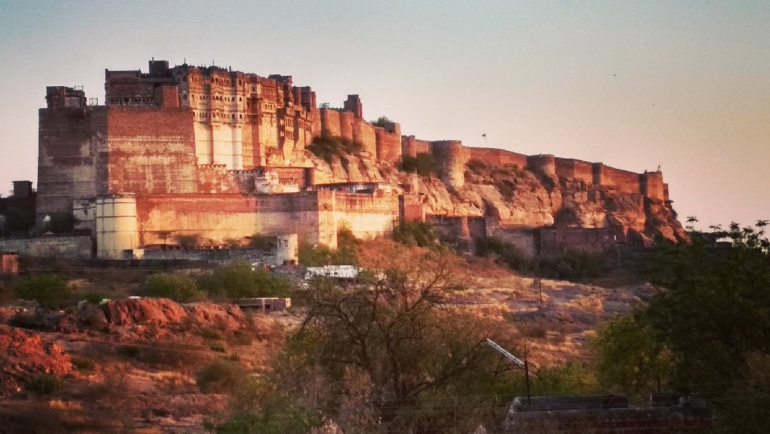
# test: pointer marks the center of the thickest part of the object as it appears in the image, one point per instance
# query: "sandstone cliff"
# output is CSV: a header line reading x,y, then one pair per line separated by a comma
x,y
518,196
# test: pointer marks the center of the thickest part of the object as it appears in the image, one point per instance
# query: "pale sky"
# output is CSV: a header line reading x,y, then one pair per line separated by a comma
x,y
634,84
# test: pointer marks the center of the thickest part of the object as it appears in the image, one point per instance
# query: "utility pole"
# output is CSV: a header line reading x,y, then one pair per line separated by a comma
x,y
516,361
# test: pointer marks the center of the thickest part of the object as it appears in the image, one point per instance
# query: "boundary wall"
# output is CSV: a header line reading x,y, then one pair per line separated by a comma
x,y
46,247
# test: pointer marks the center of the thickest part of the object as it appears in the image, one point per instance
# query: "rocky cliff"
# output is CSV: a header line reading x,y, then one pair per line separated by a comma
x,y
517,196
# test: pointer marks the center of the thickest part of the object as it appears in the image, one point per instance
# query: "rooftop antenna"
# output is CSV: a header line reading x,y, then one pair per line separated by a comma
x,y
515,360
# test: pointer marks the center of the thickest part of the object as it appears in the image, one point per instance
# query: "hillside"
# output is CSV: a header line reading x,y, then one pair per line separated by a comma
x,y
516,195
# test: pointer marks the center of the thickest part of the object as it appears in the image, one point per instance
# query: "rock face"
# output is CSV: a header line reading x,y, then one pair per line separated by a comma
x,y
162,312
520,196
24,356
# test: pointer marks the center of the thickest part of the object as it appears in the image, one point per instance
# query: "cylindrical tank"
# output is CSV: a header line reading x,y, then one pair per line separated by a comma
x,y
451,158
116,225
287,249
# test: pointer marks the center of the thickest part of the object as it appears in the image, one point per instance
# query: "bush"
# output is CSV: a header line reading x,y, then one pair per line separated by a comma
x,y
262,242
129,351
317,256
95,297
44,384
176,287
414,233
423,164
506,253
382,122
83,364
238,281
327,147
221,376
49,290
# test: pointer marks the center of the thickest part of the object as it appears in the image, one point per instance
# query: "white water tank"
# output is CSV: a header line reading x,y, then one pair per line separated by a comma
x,y
287,249
116,225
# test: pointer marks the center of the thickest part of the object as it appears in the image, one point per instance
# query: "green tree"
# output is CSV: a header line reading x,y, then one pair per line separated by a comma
x,y
381,121
239,280
707,332
16,221
174,286
49,290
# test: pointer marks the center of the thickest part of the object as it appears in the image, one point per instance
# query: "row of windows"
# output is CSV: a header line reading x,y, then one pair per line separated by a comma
x,y
215,80
215,98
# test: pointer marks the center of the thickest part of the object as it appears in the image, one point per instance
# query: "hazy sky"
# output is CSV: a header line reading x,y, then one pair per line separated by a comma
x,y
684,85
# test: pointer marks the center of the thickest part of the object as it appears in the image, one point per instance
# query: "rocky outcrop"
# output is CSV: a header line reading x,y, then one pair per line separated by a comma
x,y
163,312
518,196
156,311
24,355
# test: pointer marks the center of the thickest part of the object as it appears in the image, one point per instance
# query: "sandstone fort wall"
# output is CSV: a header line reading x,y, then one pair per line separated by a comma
x,y
498,156
151,150
575,169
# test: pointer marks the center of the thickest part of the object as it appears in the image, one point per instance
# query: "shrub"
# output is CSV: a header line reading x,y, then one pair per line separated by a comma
x,y
176,287
381,121
222,376
94,297
238,281
218,347
49,290
316,256
423,164
129,351
327,147
83,364
506,252
262,242
414,233
211,334
44,384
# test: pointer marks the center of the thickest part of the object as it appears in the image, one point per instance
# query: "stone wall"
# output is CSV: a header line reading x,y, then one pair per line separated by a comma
x,y
616,179
151,150
498,156
218,256
70,140
46,247
575,169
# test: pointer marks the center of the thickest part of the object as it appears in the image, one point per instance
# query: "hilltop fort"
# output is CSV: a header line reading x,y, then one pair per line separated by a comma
x,y
221,154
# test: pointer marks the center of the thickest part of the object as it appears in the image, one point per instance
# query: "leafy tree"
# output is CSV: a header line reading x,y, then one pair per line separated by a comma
x,y
316,256
633,359
16,221
49,290
238,281
707,332
383,356
382,121
174,286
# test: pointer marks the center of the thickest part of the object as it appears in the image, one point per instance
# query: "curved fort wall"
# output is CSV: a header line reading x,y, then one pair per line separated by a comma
x,y
451,157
